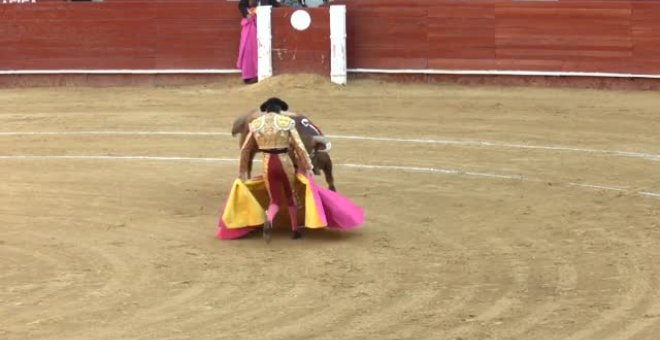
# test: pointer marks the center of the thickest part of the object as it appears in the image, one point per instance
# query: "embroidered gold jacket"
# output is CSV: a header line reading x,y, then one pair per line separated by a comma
x,y
274,131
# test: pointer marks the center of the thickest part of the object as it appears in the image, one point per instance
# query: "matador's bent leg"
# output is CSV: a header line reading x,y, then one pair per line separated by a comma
x,y
288,175
274,188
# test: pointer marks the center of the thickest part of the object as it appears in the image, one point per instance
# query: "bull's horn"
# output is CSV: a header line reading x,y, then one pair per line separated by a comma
x,y
321,139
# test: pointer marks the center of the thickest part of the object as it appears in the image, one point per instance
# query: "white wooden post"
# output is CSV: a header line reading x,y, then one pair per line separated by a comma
x,y
338,44
264,43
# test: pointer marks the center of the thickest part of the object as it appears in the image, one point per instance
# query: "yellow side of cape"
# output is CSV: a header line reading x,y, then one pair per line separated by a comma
x,y
247,201
242,208
312,217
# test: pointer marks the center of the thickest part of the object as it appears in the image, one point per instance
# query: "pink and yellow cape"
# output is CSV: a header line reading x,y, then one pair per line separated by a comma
x,y
244,210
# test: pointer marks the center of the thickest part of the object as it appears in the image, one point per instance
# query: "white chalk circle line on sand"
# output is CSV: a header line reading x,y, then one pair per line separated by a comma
x,y
468,142
453,172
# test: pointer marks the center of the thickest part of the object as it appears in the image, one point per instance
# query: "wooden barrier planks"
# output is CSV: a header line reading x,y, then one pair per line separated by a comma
x,y
119,35
574,35
461,35
646,36
621,36
563,36
387,37
305,51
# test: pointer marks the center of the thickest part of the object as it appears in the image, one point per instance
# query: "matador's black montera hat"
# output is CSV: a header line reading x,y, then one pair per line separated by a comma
x,y
274,102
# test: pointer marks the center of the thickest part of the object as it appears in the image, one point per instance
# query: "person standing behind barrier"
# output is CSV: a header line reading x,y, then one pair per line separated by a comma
x,y
245,5
247,51
294,3
274,135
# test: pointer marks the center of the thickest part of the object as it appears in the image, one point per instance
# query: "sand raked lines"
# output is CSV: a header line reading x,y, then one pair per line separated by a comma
x,y
635,310
244,306
64,281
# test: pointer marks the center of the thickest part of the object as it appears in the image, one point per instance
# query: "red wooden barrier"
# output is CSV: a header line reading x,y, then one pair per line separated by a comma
x,y
564,36
645,31
301,51
619,36
196,34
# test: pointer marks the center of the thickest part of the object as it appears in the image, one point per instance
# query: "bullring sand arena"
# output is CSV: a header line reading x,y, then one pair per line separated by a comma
x,y
492,213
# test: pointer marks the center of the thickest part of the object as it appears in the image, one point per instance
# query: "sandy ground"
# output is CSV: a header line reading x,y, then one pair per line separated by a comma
x,y
493,213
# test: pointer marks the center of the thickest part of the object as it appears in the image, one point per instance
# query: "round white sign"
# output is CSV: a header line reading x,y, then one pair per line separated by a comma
x,y
300,20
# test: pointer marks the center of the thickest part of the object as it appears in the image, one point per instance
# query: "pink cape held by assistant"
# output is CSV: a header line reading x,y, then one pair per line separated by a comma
x,y
247,52
244,209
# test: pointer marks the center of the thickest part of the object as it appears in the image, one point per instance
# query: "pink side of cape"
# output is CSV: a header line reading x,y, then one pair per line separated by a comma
x,y
340,212
336,210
